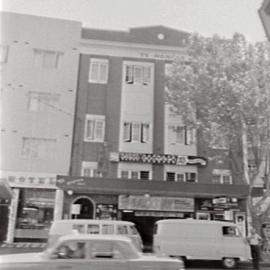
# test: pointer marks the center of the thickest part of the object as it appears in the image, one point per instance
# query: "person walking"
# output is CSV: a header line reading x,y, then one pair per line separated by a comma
x,y
254,240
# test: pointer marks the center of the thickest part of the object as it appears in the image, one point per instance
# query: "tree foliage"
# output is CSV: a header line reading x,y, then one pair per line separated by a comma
x,y
225,82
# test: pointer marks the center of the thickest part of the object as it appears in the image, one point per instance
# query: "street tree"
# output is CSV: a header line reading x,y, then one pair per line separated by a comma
x,y
221,87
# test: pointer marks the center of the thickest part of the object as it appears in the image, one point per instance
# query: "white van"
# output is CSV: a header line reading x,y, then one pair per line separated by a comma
x,y
193,239
93,226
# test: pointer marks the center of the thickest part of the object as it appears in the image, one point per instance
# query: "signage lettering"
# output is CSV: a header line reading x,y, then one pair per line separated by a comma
x,y
155,203
157,159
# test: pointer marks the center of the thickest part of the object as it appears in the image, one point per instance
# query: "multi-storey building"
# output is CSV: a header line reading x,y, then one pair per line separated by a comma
x,y
39,64
132,158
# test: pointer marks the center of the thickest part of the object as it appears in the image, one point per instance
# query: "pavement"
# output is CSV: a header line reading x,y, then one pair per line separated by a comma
x,y
7,248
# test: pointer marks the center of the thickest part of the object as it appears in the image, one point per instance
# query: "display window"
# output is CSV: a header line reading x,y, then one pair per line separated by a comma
x,y
35,209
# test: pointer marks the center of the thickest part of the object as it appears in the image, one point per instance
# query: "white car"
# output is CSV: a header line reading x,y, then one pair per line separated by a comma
x,y
90,252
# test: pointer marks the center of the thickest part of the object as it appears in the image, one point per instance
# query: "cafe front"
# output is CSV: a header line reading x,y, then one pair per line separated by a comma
x,y
143,202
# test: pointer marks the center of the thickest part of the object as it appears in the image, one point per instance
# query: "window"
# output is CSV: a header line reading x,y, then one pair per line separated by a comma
x,y
170,176
89,169
191,177
220,176
144,175
47,59
180,135
138,74
94,128
124,174
135,174
230,231
93,229
122,229
181,177
4,50
42,101
38,148
98,70
136,132
107,229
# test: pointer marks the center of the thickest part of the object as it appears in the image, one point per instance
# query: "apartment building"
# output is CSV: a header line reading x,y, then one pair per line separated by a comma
x,y
39,66
132,157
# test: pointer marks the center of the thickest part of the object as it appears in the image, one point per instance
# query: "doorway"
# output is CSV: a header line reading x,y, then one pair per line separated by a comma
x,y
82,208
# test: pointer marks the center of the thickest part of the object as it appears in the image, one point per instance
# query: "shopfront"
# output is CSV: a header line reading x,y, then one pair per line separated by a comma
x,y
32,206
34,214
226,208
5,199
145,202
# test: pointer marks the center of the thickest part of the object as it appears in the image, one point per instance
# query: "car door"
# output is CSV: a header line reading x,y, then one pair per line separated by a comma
x,y
105,255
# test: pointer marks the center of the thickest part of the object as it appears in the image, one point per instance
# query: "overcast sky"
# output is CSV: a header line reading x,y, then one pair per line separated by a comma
x,y
206,17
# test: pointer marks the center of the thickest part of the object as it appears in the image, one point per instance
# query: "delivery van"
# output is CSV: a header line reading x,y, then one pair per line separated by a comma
x,y
193,239
93,226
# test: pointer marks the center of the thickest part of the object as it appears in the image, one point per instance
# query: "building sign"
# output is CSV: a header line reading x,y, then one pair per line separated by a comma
x,y
158,214
31,180
220,203
157,159
155,203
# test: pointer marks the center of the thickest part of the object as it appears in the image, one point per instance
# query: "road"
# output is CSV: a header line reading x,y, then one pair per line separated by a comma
x,y
198,265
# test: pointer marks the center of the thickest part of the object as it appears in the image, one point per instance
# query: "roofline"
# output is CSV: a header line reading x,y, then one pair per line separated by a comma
x,y
131,44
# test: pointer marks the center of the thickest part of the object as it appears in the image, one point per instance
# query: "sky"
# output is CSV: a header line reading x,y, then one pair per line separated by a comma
x,y
206,17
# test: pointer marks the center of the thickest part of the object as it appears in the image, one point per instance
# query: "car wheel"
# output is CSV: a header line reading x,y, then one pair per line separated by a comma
x,y
229,263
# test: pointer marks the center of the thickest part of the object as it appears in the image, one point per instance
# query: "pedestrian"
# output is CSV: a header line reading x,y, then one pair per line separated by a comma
x,y
254,240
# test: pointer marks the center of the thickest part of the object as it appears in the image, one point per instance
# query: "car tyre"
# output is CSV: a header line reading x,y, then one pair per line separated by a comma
x,y
229,263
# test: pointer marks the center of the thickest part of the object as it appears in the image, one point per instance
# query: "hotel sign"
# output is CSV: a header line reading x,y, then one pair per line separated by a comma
x,y
157,159
155,203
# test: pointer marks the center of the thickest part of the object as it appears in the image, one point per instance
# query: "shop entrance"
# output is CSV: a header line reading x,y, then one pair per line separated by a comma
x,y
4,220
82,208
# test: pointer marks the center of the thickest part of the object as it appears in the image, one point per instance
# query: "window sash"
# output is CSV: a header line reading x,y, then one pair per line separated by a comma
x,y
191,177
47,59
145,136
98,71
38,148
127,132
136,132
170,176
94,128
138,74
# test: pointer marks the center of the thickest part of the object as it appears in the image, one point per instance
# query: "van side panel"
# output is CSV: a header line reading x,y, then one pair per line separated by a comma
x,y
201,241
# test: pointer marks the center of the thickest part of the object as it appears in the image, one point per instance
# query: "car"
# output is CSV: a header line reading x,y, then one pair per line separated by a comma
x,y
95,252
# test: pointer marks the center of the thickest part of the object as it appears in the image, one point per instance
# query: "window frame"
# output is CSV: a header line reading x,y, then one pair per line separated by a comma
x,y
34,151
138,74
40,58
99,62
95,119
92,166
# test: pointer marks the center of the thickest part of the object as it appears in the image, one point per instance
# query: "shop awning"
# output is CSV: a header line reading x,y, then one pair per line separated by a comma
x,y
5,190
154,187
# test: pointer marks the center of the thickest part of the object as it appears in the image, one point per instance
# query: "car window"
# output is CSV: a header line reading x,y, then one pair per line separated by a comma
x,y
133,229
70,250
80,228
107,229
230,231
122,229
105,250
93,229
